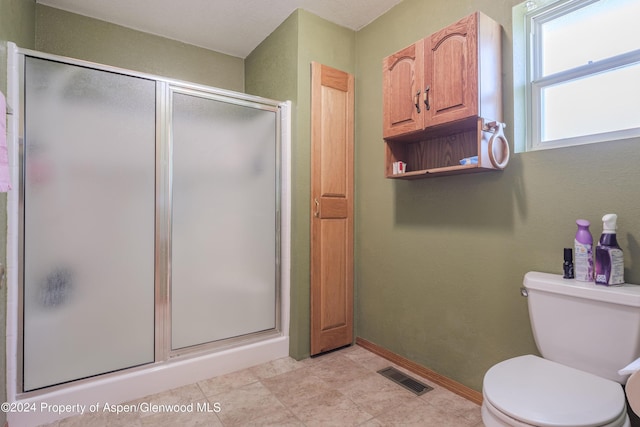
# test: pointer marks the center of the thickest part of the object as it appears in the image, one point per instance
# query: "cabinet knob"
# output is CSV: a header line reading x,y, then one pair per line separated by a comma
x,y
316,213
418,102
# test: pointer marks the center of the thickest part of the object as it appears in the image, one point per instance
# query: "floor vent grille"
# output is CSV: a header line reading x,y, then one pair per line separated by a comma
x,y
405,381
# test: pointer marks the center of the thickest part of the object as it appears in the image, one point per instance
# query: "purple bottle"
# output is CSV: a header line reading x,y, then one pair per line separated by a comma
x,y
609,256
583,252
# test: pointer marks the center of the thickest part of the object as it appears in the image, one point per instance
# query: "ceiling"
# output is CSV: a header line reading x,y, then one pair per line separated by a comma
x,y
234,27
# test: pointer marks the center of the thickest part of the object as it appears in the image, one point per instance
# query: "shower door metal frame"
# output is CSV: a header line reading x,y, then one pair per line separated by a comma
x,y
163,191
163,296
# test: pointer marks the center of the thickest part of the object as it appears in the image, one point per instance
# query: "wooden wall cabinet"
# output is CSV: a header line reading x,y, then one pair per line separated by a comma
x,y
443,101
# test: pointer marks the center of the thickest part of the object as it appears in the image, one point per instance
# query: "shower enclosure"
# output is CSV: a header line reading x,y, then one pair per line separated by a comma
x,y
149,221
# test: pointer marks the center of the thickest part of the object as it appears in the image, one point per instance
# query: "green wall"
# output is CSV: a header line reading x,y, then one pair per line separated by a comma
x,y
76,36
271,71
17,24
280,68
439,262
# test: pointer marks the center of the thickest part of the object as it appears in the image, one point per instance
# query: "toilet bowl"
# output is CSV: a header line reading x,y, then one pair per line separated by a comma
x,y
530,391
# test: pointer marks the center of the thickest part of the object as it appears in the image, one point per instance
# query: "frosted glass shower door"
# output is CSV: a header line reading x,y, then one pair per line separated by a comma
x,y
88,222
223,262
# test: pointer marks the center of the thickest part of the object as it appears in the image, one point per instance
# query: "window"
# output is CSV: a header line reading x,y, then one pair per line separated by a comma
x,y
577,72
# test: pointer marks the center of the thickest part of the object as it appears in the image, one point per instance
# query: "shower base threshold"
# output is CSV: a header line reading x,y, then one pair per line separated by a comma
x,y
134,384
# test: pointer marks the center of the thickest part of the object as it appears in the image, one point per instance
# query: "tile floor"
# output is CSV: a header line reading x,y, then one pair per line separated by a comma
x,y
337,389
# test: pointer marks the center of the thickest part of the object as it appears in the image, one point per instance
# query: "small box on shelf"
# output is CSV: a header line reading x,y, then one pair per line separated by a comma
x,y
399,167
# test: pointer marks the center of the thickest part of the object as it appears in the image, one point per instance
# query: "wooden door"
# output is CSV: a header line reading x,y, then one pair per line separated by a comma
x,y
332,109
451,64
402,91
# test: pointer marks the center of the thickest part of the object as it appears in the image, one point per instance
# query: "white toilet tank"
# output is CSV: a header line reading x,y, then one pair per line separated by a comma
x,y
590,327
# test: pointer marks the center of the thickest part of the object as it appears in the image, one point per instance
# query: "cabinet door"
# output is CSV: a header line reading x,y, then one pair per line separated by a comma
x,y
451,63
402,85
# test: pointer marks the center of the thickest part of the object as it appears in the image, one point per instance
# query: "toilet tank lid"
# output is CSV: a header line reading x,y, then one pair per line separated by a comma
x,y
626,294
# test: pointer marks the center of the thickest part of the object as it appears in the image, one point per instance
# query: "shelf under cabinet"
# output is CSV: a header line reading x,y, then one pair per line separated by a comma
x,y
438,152
441,171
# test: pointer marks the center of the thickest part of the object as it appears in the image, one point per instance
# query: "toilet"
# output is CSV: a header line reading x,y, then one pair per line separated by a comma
x,y
585,334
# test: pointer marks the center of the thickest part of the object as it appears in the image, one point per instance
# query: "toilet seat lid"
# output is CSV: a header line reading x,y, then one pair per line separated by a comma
x,y
545,393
